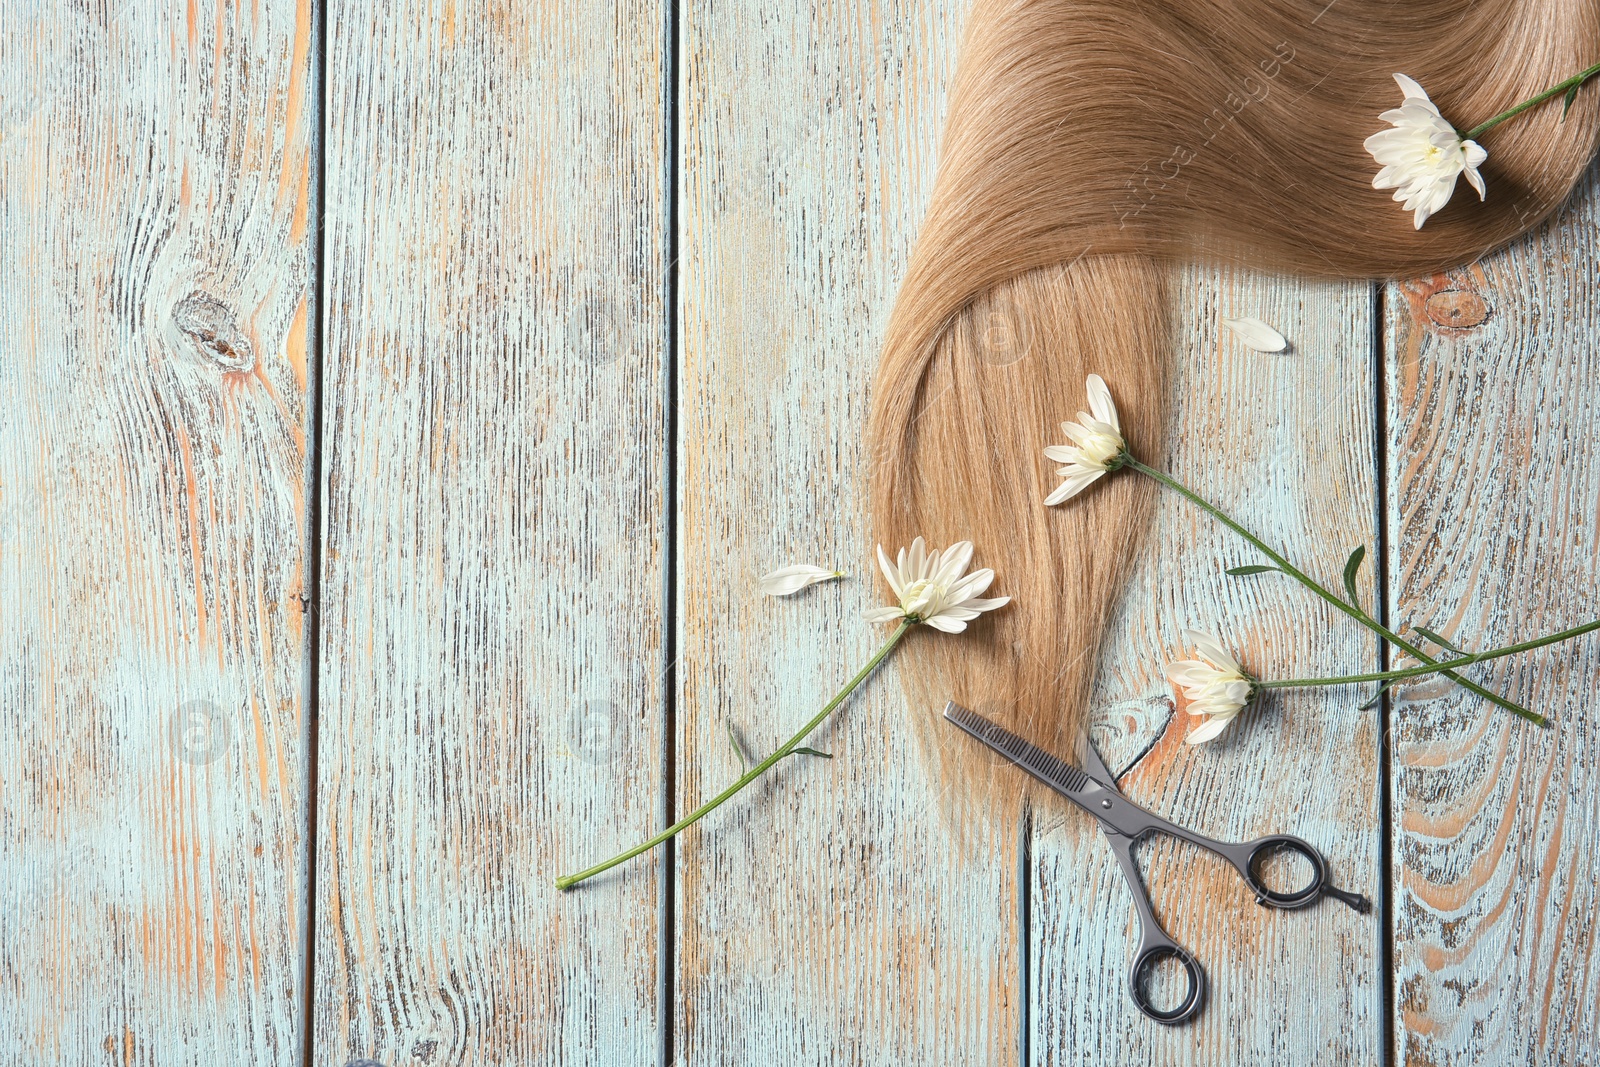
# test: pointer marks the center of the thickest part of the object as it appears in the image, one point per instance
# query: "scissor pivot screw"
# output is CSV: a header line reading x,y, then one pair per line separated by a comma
x,y
1106,803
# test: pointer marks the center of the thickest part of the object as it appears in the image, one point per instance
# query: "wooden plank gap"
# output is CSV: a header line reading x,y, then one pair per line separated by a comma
x,y
1024,932
1380,455
666,922
312,593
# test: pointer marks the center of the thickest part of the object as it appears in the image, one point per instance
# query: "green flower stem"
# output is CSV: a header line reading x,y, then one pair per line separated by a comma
x,y
1349,609
1435,668
570,880
1555,90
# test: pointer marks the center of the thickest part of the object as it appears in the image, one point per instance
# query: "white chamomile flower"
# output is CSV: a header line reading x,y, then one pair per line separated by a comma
x,y
1214,685
931,587
1097,444
788,580
1423,155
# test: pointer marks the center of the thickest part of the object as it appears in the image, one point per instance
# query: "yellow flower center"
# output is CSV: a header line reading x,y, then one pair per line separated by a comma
x,y
1101,448
920,596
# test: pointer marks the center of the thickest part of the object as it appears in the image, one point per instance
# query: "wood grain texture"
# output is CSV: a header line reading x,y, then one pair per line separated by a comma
x,y
1493,383
1284,443
823,916
155,286
495,442
492,615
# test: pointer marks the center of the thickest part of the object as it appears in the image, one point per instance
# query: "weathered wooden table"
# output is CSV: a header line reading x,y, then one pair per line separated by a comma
x,y
355,581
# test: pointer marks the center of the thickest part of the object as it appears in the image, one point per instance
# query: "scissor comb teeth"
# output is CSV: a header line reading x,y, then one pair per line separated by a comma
x,y
1029,757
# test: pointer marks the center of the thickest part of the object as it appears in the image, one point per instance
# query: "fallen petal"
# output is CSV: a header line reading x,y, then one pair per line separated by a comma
x,y
1257,335
787,581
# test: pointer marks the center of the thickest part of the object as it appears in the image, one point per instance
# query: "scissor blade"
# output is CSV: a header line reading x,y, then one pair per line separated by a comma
x,y
1063,777
1097,768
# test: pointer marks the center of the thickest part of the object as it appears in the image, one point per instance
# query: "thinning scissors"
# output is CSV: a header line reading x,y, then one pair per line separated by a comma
x,y
1123,822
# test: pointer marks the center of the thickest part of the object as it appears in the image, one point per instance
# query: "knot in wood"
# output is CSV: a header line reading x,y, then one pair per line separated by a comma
x,y
214,329
1457,309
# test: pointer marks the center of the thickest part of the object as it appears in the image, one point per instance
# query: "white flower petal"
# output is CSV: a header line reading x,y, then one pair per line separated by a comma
x,y
1086,475
971,585
1391,140
1207,731
953,562
1061,453
1256,334
786,581
1475,179
1076,482
1060,494
1410,89
882,614
1211,648
1100,402
1184,673
1236,692
1079,434
891,573
962,614
912,569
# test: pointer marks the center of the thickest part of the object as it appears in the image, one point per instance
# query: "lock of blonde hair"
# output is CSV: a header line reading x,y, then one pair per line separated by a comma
x,y
1090,145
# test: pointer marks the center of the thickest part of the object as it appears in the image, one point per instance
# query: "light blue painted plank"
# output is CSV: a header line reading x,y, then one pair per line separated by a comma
x,y
824,916
156,268
1284,442
1493,385
491,694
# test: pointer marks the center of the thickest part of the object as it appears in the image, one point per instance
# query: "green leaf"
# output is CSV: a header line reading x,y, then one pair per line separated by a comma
x,y
1566,105
1351,567
1240,572
1441,642
1379,694
805,751
738,751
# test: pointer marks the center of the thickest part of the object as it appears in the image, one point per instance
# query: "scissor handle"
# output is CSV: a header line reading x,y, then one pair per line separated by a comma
x,y
1155,946
1250,855
1152,952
